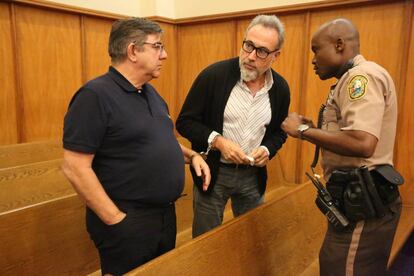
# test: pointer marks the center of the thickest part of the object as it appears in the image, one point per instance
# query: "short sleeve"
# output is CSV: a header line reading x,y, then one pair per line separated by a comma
x,y
85,122
362,104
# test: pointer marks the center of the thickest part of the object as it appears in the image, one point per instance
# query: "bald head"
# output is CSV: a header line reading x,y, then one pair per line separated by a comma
x,y
334,45
341,31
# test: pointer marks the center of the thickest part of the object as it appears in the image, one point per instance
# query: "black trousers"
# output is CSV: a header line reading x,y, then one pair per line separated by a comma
x,y
145,233
363,248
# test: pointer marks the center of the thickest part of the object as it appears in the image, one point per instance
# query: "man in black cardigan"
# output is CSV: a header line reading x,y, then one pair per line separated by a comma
x,y
232,114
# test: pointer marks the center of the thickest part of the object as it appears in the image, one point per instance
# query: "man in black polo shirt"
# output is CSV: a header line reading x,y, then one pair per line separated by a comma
x,y
121,155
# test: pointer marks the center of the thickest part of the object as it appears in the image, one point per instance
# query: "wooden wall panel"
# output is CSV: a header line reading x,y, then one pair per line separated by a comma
x,y
405,151
371,21
50,65
8,122
200,45
166,84
291,66
96,35
57,51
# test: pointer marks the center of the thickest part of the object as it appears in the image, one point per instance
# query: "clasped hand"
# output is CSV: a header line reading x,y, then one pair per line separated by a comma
x,y
232,152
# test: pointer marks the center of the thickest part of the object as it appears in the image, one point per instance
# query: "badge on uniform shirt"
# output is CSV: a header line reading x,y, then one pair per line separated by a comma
x,y
357,87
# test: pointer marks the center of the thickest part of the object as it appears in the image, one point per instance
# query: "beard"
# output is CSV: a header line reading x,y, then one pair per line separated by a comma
x,y
247,75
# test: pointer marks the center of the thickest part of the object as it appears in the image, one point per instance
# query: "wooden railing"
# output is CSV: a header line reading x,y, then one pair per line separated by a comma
x,y
43,230
25,153
281,237
42,217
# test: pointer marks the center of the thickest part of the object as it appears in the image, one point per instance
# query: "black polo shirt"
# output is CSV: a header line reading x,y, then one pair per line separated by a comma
x,y
137,156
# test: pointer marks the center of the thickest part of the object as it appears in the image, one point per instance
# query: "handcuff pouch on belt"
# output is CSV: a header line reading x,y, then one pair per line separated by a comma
x,y
363,194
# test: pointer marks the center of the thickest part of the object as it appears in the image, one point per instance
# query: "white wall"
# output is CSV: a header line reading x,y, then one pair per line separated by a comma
x,y
122,7
177,8
187,8
167,8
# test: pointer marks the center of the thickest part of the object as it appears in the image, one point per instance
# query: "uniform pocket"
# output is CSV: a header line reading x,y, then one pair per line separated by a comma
x,y
330,119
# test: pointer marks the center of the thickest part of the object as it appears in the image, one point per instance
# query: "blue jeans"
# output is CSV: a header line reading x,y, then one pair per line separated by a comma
x,y
239,184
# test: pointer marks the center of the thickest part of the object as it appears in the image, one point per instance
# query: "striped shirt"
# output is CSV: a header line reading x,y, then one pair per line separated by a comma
x,y
246,117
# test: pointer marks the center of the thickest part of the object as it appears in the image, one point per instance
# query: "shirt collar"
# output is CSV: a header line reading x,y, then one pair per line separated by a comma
x,y
268,81
358,59
121,80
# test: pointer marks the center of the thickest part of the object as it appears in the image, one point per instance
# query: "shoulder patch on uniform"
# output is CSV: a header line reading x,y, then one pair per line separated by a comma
x,y
357,87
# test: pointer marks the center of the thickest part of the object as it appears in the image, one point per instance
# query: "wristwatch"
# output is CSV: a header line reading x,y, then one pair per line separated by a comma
x,y
302,128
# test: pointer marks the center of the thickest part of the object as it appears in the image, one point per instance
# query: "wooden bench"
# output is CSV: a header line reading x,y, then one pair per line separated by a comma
x,y
35,201
42,223
48,238
44,219
25,153
32,184
282,237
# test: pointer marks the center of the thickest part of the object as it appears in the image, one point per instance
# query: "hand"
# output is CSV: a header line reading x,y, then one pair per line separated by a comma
x,y
291,123
201,169
230,150
260,157
117,218
307,121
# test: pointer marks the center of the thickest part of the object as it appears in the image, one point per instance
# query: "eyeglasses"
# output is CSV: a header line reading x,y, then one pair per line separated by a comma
x,y
261,52
156,45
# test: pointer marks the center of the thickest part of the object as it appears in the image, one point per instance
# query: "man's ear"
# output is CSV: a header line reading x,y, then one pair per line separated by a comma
x,y
275,56
340,45
131,53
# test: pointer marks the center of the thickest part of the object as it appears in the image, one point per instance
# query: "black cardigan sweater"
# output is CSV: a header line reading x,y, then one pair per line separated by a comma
x,y
203,112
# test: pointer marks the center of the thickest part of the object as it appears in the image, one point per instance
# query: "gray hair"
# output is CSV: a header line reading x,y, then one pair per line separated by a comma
x,y
125,31
270,21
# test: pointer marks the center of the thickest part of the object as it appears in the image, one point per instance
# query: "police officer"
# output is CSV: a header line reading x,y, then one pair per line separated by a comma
x,y
358,129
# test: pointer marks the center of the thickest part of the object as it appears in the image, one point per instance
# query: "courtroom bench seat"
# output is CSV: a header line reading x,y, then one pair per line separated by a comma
x,y
25,153
42,223
281,237
48,238
31,184
36,191
27,189
37,188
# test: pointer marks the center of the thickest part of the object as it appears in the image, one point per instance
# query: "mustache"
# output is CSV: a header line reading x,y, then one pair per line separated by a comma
x,y
249,64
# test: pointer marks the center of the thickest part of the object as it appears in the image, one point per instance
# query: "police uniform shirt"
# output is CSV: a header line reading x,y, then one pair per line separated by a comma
x,y
364,98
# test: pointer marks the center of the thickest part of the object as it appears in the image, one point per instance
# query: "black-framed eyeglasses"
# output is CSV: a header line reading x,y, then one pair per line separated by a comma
x,y
156,45
261,52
